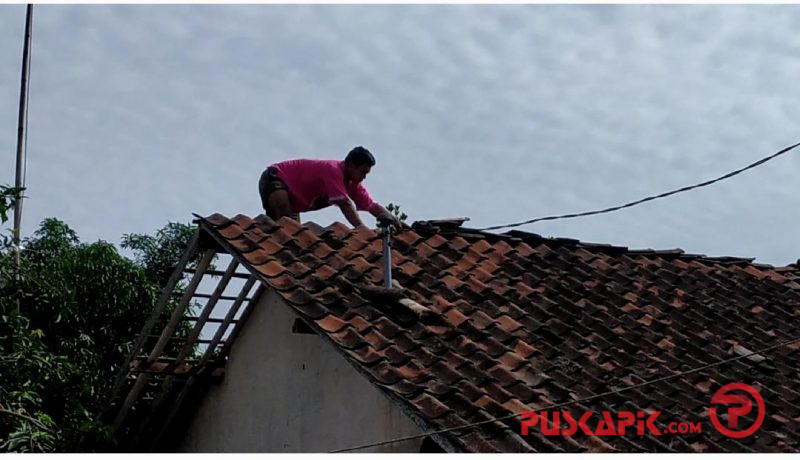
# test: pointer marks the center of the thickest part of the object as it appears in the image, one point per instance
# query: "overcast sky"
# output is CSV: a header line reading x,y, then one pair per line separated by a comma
x,y
143,114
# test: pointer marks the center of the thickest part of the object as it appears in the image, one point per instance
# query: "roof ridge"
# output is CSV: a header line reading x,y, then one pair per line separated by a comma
x,y
453,226
605,248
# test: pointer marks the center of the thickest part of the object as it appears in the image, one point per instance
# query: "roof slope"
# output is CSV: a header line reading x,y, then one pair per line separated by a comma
x,y
520,322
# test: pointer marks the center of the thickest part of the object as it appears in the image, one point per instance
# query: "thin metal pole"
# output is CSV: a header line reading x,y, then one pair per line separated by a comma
x,y
387,256
22,127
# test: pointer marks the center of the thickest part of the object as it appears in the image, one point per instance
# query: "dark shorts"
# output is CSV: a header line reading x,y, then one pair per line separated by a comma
x,y
267,184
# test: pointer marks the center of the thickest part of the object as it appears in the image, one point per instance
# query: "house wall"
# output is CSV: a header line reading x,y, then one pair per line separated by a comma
x,y
288,392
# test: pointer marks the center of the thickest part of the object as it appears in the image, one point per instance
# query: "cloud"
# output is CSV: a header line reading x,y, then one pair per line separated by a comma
x,y
144,114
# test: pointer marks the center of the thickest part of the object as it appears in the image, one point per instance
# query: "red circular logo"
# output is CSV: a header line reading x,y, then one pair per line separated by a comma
x,y
739,405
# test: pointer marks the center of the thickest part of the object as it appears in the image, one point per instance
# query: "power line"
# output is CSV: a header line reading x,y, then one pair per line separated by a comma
x,y
588,398
649,198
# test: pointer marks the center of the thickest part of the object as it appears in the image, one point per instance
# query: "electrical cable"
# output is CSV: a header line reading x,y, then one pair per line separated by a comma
x,y
649,198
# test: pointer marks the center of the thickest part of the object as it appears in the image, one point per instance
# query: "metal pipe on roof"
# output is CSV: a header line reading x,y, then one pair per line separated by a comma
x,y
387,259
385,227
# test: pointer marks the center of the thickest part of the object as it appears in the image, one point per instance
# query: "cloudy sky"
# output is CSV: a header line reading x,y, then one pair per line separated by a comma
x,y
143,114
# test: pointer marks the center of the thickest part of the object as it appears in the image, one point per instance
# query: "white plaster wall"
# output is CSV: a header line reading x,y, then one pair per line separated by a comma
x,y
287,392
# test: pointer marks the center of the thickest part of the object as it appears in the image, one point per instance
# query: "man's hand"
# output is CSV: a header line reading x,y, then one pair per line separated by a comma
x,y
401,224
382,213
376,210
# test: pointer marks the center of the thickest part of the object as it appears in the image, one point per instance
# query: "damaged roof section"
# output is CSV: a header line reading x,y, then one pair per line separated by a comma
x,y
183,346
481,326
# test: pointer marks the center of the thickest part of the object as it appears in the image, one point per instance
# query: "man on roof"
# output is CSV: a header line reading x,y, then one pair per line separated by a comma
x,y
294,186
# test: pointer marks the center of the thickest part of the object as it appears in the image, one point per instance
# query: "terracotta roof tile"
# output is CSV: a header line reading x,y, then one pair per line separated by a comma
x,y
299,297
255,235
518,322
218,220
313,310
359,323
242,245
347,338
385,373
289,225
331,323
376,340
366,355
403,388
429,406
271,269
338,230
307,239
436,241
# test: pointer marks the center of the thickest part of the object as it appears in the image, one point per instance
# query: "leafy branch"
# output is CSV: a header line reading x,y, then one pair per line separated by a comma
x,y
395,210
8,200
39,424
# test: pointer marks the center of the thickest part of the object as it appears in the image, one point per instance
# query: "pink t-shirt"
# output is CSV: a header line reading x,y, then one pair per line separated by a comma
x,y
315,184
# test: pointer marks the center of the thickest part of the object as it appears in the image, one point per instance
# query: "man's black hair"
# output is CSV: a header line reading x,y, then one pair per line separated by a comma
x,y
360,156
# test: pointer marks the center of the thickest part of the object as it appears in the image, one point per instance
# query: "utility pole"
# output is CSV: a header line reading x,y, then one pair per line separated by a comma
x,y
22,129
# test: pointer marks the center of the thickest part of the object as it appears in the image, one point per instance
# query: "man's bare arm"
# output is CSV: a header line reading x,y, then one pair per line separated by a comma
x,y
350,213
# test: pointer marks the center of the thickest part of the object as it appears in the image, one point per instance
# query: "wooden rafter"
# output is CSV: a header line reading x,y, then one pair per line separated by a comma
x,y
166,385
151,379
161,303
142,378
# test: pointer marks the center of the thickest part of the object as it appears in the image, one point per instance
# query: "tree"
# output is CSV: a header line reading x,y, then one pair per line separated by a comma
x,y
26,366
158,253
8,200
81,305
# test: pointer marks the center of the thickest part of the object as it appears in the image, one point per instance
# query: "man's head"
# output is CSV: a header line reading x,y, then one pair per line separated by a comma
x,y
357,164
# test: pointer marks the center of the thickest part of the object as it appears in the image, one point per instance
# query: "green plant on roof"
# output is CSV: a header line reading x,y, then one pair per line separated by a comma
x,y
395,210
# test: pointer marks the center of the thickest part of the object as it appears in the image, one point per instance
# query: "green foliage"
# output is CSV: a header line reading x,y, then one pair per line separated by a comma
x,y
80,305
158,253
8,199
395,210
68,319
32,436
29,371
